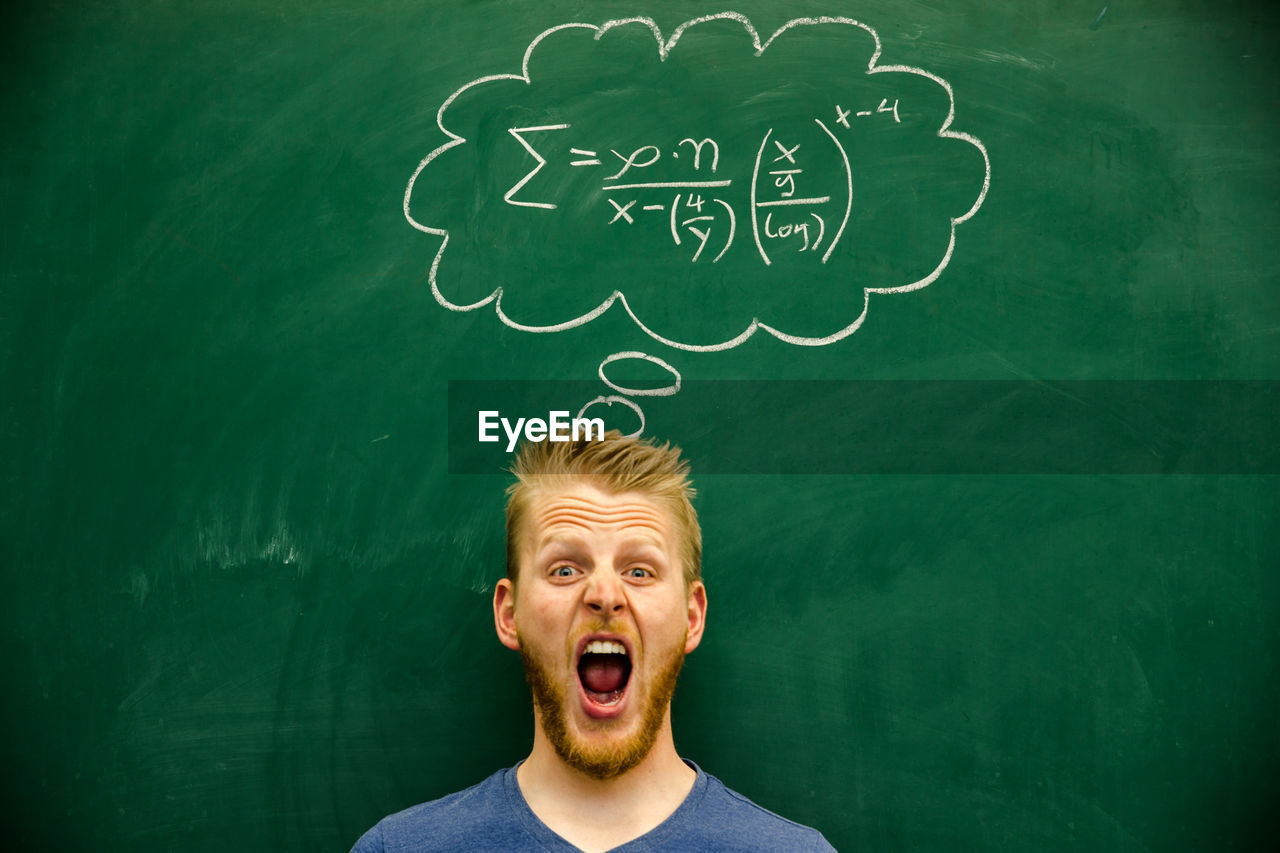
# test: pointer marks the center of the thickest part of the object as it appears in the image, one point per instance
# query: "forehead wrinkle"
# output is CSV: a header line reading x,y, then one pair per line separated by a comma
x,y
559,522
640,502
645,527
571,509
587,518
568,542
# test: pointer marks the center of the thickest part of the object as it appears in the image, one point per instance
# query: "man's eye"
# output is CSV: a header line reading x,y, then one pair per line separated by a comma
x,y
637,572
562,572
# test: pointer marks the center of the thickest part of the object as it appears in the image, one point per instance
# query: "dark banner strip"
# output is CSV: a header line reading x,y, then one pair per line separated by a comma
x,y
894,427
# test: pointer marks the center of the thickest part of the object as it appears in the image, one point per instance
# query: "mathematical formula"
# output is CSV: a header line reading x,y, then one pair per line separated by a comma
x,y
696,214
699,163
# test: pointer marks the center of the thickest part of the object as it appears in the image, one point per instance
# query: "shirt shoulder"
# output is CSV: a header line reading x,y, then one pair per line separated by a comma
x,y
727,821
478,818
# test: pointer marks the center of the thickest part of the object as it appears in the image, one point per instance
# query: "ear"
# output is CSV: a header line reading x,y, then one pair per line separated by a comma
x,y
504,614
697,605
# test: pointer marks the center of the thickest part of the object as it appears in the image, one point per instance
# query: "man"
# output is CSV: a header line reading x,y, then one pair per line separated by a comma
x,y
603,598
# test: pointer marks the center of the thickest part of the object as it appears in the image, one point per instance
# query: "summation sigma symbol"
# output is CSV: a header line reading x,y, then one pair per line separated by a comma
x,y
710,183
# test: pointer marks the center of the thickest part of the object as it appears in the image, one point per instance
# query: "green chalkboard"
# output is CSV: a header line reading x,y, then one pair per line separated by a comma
x,y
967,313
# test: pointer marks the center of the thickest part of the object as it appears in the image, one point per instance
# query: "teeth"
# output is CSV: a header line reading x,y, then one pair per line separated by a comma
x,y
604,647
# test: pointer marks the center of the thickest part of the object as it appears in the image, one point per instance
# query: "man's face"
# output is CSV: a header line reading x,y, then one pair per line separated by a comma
x,y
603,620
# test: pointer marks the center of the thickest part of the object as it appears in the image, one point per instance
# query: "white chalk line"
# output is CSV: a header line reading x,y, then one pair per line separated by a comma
x,y
542,161
609,401
755,216
455,139
665,184
944,132
733,227
665,391
848,206
664,49
787,201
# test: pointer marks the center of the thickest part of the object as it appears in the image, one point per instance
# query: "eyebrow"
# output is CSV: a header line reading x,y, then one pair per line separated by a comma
x,y
568,541
642,543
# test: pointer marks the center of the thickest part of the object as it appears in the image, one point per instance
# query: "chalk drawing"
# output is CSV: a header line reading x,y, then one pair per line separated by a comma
x,y
803,184
517,133
609,400
665,391
809,176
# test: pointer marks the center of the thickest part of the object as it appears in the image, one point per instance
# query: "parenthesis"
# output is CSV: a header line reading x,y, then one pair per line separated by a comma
x,y
848,208
732,227
755,218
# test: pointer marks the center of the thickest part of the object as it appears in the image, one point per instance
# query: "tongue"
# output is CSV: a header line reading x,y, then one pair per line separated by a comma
x,y
603,673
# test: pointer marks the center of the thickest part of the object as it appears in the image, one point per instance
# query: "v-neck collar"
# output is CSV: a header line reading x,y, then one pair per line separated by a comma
x,y
651,840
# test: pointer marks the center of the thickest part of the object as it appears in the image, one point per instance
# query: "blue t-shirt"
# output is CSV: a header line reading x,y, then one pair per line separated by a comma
x,y
493,816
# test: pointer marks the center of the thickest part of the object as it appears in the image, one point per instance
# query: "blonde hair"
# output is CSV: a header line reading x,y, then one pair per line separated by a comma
x,y
615,464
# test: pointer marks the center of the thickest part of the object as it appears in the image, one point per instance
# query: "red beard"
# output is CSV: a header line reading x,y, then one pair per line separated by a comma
x,y
606,761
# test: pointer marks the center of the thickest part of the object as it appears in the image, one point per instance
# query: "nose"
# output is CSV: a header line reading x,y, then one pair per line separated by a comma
x,y
605,595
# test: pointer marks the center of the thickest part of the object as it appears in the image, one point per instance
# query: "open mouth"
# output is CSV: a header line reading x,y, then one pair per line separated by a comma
x,y
604,668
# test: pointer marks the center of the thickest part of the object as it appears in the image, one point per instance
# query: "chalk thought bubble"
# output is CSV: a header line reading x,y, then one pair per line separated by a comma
x,y
710,183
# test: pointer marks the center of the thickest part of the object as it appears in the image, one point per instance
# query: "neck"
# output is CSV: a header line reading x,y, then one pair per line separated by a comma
x,y
582,808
